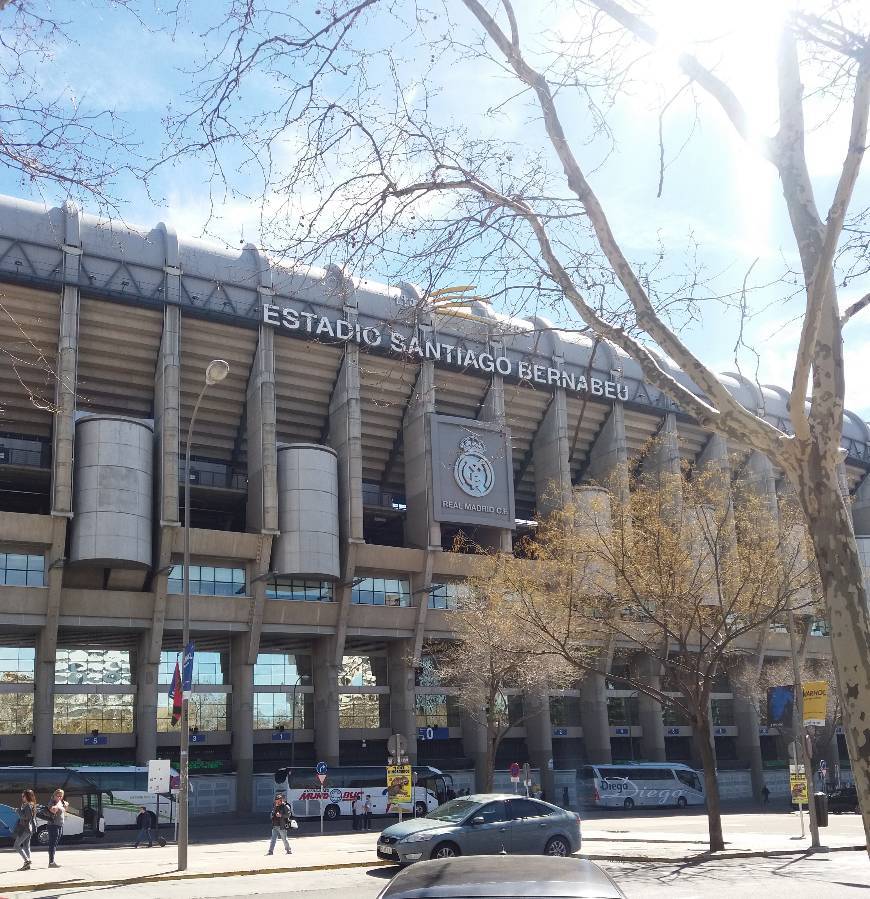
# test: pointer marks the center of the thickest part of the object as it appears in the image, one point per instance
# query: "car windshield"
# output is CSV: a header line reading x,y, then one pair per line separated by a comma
x,y
455,810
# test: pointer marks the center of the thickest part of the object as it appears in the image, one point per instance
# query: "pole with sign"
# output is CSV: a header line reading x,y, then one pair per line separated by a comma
x,y
159,782
321,769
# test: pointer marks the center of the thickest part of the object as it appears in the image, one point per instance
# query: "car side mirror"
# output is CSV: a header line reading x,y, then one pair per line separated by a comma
x,y
478,819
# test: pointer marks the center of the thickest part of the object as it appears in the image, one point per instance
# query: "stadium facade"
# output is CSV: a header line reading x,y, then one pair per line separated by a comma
x,y
356,433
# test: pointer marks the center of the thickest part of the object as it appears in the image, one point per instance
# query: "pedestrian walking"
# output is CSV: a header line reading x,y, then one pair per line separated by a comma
x,y
25,827
367,813
765,795
355,810
146,822
56,816
282,821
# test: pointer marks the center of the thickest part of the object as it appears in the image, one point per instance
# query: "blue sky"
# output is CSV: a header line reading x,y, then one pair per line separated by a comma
x,y
717,192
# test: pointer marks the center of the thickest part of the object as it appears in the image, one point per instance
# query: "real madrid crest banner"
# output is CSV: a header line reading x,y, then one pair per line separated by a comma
x,y
472,472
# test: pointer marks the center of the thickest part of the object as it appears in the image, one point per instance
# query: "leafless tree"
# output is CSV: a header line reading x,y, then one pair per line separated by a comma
x,y
361,163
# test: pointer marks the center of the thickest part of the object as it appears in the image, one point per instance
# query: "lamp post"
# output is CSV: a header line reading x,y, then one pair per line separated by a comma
x,y
299,681
215,371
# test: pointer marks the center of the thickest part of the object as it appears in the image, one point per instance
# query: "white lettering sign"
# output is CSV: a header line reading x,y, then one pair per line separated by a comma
x,y
321,327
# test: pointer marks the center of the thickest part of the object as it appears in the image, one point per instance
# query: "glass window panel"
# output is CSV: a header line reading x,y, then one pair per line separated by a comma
x,y
16,560
16,713
102,666
16,577
208,712
80,713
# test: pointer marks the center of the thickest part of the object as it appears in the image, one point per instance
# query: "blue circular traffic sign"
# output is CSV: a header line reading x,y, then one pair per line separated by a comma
x,y
321,768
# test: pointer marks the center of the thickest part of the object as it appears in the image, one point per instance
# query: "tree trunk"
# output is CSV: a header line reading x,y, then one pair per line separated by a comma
x,y
830,529
703,736
492,742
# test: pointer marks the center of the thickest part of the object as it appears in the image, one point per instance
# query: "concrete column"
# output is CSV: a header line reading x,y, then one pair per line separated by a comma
x,y
167,423
593,717
63,441
402,697
661,465
326,671
421,530
608,457
648,669
474,745
861,507
242,680
539,737
46,652
147,675
492,410
551,455
262,446
63,433
345,437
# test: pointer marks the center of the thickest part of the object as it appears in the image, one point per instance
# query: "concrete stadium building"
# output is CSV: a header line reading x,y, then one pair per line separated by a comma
x,y
356,433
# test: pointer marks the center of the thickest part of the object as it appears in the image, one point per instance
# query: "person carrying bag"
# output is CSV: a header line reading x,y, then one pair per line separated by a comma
x,y
25,827
282,822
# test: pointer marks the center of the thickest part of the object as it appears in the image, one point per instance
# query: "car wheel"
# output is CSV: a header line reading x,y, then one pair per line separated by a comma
x,y
331,812
681,802
42,836
421,809
557,846
446,850
628,804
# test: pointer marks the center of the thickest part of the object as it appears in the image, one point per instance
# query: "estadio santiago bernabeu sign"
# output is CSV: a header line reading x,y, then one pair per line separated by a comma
x,y
321,327
472,472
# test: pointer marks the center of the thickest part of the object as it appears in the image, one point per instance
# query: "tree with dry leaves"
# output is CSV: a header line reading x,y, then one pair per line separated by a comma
x,y
363,163
489,666
680,573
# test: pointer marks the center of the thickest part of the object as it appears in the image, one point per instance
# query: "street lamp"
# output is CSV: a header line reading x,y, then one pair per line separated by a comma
x,y
215,371
299,681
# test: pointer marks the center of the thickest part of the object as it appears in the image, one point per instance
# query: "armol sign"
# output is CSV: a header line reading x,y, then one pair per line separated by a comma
x,y
321,327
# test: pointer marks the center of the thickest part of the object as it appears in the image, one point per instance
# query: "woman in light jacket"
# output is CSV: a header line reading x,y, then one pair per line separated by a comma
x,y
25,827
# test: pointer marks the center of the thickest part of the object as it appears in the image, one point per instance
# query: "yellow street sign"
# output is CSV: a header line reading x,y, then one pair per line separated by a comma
x,y
815,702
399,787
799,791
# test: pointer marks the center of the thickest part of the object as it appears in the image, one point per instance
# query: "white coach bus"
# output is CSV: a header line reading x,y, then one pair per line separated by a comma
x,y
641,785
128,786
344,784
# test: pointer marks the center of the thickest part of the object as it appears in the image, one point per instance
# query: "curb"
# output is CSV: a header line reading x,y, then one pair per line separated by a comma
x,y
195,875
377,863
704,857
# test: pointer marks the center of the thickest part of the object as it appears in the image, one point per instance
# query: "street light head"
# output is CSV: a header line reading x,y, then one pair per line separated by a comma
x,y
216,371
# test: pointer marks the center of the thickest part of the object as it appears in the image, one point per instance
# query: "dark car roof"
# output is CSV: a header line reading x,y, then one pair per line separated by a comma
x,y
543,877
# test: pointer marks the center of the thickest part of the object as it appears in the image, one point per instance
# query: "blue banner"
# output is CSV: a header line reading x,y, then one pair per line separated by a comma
x,y
187,668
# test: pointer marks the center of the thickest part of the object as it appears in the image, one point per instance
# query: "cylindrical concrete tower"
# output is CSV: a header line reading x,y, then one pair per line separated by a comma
x,y
307,512
112,504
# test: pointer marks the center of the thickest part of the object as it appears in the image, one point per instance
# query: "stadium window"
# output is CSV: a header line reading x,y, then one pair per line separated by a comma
x,y
16,713
17,664
208,580
303,591
207,667
447,596
208,711
22,569
80,713
379,591
92,666
272,710
281,669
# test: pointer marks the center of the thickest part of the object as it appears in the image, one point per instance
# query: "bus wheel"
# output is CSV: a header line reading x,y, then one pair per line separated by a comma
x,y
681,802
42,836
421,810
331,812
628,804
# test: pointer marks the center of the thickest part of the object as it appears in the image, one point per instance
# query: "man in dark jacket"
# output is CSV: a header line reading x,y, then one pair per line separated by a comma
x,y
282,814
145,821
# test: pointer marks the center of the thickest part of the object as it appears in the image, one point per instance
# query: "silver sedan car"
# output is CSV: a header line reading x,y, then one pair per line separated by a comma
x,y
483,824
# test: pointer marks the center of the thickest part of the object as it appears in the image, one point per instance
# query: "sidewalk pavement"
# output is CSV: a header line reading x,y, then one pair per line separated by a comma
x,y
117,864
